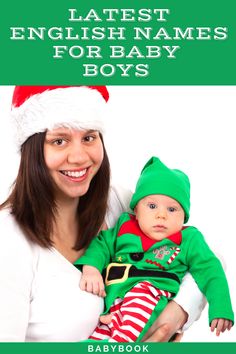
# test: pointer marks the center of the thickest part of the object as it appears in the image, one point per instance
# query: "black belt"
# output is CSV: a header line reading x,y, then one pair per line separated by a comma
x,y
116,273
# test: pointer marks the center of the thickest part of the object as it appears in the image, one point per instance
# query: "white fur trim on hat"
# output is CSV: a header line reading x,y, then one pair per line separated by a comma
x,y
74,107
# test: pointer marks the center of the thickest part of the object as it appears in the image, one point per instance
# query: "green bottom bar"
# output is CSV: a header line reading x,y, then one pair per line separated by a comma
x,y
152,348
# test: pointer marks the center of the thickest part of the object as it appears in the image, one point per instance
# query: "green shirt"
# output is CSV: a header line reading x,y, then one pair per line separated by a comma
x,y
185,251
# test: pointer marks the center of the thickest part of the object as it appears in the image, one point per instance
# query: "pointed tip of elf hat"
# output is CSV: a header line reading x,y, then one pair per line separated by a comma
x,y
157,178
36,109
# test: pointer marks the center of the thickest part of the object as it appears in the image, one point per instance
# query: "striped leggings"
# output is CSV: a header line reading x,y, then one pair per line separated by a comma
x,y
131,314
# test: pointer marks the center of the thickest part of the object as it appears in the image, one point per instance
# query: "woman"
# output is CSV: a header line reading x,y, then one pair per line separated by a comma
x,y
60,200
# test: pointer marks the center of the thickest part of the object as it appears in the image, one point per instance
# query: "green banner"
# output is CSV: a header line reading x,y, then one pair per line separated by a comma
x,y
160,348
165,42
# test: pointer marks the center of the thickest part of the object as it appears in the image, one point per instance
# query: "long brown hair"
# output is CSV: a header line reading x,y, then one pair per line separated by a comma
x,y
33,204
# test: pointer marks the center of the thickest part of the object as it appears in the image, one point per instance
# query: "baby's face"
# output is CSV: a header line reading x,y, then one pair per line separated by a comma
x,y
159,216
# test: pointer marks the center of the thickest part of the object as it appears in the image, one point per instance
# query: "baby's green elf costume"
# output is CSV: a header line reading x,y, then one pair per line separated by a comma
x,y
142,274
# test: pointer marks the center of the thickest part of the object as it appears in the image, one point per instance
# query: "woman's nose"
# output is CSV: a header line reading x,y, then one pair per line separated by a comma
x,y
77,153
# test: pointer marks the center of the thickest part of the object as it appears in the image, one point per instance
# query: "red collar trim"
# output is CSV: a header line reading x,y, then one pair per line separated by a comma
x,y
132,227
176,238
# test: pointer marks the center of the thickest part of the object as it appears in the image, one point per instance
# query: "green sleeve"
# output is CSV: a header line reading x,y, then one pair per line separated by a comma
x,y
209,275
101,250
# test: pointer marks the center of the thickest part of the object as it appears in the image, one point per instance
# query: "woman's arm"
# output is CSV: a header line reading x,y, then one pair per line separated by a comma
x,y
165,328
15,279
179,314
191,300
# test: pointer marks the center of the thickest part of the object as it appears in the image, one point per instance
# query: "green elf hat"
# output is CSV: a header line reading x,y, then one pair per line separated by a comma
x,y
156,178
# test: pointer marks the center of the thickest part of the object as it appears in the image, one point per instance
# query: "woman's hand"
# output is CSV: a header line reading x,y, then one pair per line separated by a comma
x,y
172,318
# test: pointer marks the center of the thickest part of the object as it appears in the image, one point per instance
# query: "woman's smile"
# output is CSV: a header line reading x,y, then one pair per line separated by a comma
x,y
75,175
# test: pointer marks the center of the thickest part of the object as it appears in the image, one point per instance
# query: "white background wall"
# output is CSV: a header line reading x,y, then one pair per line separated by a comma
x,y
188,127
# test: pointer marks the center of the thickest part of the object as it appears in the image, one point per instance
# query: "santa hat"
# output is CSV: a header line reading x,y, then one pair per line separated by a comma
x,y
157,178
36,109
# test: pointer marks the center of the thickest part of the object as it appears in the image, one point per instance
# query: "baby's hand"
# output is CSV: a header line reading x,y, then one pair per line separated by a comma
x,y
221,324
91,281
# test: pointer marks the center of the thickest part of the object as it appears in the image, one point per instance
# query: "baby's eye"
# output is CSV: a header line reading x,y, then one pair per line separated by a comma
x,y
171,209
152,205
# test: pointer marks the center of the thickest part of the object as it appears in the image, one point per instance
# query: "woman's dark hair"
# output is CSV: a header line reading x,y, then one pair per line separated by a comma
x,y
33,204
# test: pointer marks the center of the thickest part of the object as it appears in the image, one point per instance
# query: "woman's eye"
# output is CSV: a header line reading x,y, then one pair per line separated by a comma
x,y
89,138
59,142
152,206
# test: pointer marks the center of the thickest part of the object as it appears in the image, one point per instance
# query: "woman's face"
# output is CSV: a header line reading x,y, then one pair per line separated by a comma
x,y
73,158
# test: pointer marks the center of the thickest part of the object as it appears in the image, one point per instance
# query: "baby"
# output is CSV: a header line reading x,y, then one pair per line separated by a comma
x,y
146,255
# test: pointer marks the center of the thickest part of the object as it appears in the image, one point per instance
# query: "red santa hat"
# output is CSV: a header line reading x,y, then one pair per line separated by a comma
x,y
36,109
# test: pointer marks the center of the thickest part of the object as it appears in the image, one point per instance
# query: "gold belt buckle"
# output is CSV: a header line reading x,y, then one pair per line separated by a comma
x,y
120,280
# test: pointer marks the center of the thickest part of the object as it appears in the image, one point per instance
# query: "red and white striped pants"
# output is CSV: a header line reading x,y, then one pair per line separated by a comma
x,y
131,314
